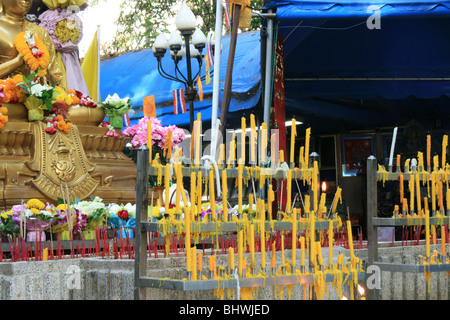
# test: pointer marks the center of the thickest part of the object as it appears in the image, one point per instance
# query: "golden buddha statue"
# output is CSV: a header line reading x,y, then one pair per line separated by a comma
x,y
35,164
12,23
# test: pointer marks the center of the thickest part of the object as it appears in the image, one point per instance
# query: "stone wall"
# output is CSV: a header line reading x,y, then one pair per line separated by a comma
x,y
102,279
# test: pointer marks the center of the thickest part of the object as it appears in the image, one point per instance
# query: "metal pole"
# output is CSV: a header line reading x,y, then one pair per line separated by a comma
x,y
372,208
216,79
190,83
268,75
140,262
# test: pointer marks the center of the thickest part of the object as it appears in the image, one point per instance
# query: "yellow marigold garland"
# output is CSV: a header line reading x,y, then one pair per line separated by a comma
x,y
37,62
3,117
12,92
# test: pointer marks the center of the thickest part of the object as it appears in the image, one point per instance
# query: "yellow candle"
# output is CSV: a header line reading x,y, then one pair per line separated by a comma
x,y
250,204
322,206
308,137
447,195
436,163
433,191
402,187
428,151
440,196
330,242
289,190
433,232
273,150
193,195
293,136
231,263
167,187
337,198
149,141
200,262
307,204
240,251
272,262
168,145
263,235
294,240
444,151
252,245
398,161
224,195
420,165
212,196
244,128
253,137
232,155
264,142
187,239
302,247
301,157
194,263
319,252
315,186
270,199
419,205
222,156
281,159
240,172
282,250
411,193
45,254
312,239
199,192
350,239
443,240
427,231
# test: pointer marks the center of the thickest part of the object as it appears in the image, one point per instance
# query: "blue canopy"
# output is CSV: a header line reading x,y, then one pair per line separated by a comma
x,y
135,75
338,67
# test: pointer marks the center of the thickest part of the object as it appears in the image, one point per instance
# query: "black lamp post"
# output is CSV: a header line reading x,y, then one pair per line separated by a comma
x,y
186,24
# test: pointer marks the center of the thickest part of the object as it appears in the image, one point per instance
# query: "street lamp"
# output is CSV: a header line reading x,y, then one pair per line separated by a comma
x,y
186,24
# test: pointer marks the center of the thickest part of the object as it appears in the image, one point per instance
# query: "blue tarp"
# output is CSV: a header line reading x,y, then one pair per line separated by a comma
x,y
345,9
331,40
135,75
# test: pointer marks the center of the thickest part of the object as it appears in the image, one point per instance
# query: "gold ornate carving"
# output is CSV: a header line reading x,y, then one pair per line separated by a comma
x,y
60,158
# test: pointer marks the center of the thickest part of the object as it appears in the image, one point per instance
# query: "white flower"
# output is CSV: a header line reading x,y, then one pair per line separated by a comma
x,y
115,208
28,213
38,88
131,209
115,98
46,214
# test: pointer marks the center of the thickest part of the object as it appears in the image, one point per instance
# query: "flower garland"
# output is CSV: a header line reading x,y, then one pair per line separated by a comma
x,y
34,52
111,131
58,123
3,117
11,92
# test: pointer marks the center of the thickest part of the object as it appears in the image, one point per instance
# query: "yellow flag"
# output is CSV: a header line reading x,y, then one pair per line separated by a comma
x,y
89,67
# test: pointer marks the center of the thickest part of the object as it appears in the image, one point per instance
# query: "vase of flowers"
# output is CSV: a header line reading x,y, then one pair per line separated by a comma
x,y
115,108
38,97
138,134
123,219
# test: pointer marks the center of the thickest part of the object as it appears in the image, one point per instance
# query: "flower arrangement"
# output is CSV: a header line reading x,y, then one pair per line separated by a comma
x,y
38,96
115,108
138,132
123,218
87,102
66,30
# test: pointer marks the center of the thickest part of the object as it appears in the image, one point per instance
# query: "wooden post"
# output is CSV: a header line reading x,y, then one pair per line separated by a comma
x,y
140,262
228,77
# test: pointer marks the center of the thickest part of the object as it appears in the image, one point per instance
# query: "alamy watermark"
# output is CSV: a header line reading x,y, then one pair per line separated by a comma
x,y
374,21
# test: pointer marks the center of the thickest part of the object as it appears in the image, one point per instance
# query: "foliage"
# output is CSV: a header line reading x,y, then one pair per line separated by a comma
x,y
140,21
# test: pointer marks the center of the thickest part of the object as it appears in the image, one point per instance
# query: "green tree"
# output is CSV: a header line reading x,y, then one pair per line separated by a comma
x,y
140,21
